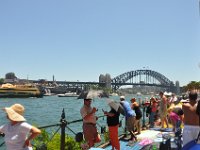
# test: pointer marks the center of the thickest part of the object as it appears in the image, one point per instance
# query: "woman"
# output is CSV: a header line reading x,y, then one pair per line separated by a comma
x,y
135,106
18,133
113,124
153,106
163,110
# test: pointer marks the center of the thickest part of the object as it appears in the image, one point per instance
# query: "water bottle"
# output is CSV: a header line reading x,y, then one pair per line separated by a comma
x,y
154,147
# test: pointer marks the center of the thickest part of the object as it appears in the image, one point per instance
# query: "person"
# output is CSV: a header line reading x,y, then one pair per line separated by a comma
x,y
191,119
163,110
113,124
175,115
153,106
18,133
89,123
130,118
173,98
135,106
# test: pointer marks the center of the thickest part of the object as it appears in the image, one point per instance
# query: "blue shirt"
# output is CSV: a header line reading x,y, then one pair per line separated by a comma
x,y
127,108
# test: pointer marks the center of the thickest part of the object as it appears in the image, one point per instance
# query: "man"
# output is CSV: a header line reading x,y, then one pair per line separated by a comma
x,y
130,118
89,123
191,119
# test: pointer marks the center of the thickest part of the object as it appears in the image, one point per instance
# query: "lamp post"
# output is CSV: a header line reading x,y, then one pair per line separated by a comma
x,y
143,115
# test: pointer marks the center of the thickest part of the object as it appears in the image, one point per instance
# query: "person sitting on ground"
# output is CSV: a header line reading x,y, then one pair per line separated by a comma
x,y
130,118
135,106
191,119
89,123
18,133
113,124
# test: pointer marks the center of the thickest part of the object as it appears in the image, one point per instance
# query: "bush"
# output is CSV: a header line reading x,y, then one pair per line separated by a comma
x,y
44,142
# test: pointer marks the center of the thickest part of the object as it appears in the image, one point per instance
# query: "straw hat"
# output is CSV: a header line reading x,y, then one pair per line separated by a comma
x,y
15,112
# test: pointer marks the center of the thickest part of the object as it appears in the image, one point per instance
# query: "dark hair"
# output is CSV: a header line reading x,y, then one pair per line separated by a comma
x,y
161,93
87,99
193,95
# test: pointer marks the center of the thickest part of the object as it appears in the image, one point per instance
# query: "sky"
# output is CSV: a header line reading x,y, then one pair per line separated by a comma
x,y
81,39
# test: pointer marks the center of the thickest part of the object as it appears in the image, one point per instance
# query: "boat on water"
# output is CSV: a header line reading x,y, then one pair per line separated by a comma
x,y
68,94
19,91
48,92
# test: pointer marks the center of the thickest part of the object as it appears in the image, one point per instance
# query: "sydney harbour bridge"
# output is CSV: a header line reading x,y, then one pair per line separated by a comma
x,y
135,78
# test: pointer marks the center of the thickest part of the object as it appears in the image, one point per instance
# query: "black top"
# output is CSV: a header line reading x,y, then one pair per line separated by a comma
x,y
114,120
138,112
178,111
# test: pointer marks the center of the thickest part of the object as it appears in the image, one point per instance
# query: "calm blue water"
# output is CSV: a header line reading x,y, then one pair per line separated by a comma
x,y
47,110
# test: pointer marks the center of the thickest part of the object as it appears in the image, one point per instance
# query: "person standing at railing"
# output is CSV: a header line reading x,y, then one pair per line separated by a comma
x,y
18,133
113,123
153,106
163,110
136,107
89,123
130,118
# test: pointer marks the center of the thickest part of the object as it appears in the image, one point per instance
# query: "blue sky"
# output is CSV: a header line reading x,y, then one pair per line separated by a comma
x,y
81,39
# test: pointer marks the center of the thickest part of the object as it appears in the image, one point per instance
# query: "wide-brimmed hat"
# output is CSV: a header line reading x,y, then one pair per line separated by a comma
x,y
15,112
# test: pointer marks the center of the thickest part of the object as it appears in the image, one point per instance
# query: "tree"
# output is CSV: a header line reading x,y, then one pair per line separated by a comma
x,y
1,80
193,85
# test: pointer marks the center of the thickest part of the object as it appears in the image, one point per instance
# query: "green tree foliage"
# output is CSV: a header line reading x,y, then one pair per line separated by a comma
x,y
1,80
192,85
53,142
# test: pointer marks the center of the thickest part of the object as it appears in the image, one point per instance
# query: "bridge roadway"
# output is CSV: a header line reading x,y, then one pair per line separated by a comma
x,y
149,77
77,83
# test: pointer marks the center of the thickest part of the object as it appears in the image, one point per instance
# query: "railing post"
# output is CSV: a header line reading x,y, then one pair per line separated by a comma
x,y
62,125
143,116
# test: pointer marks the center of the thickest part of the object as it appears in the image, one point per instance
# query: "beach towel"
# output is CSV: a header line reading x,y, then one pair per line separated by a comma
x,y
192,145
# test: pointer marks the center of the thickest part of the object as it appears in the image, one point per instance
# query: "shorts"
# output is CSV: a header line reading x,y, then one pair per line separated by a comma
x,y
130,122
90,131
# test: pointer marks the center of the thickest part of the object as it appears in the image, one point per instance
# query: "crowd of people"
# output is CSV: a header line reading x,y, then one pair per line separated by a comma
x,y
163,111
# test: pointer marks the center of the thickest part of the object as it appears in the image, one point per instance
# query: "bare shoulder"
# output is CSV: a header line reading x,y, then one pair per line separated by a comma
x,y
185,105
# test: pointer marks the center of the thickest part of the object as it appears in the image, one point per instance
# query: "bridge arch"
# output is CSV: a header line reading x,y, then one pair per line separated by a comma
x,y
127,76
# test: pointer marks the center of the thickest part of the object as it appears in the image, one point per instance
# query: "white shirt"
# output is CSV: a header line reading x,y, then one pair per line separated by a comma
x,y
15,135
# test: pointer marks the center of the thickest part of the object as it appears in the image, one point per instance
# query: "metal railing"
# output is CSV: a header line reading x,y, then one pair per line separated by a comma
x,y
61,126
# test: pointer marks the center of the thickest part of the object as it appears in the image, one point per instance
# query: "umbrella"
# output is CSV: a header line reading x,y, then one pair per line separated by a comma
x,y
116,106
91,94
113,104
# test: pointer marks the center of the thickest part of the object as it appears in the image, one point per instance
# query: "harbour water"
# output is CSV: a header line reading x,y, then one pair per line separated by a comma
x,y
47,110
